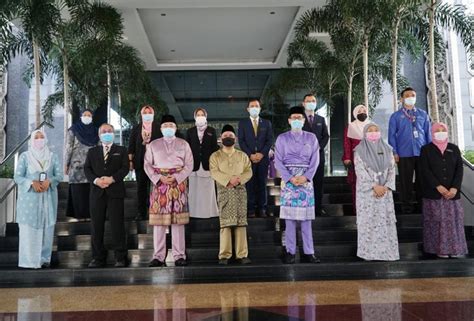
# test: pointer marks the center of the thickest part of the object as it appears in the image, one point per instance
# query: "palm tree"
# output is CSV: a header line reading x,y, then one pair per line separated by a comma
x,y
38,19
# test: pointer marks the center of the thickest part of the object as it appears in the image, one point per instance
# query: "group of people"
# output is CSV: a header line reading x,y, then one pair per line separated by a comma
x,y
182,176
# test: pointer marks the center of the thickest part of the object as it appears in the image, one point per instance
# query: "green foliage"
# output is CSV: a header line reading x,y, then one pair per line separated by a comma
x,y
469,155
6,171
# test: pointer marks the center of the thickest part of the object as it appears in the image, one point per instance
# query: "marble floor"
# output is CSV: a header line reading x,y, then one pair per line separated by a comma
x,y
368,300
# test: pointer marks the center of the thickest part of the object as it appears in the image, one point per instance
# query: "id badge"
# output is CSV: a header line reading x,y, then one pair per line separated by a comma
x,y
43,176
415,133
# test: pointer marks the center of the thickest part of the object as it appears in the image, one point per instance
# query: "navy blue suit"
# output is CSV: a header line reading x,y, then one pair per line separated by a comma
x,y
251,144
319,128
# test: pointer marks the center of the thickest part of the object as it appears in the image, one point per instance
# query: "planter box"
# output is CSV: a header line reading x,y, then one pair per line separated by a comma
x,y
8,206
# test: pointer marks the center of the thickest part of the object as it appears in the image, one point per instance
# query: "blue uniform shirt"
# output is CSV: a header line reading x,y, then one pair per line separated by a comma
x,y
408,131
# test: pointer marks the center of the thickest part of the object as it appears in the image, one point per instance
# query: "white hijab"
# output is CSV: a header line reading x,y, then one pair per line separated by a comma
x,y
356,128
39,160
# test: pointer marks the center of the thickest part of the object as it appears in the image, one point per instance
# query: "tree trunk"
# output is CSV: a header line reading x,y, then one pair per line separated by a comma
x,y
366,70
431,60
109,93
67,108
37,68
395,64
349,97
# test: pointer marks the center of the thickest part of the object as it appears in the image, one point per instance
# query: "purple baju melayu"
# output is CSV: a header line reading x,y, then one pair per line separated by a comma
x,y
297,153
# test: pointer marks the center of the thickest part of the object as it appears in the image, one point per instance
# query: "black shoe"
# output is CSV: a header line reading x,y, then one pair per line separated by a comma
x,y
223,261
289,258
96,264
156,263
309,258
121,263
140,217
263,214
243,261
46,266
251,214
180,262
407,209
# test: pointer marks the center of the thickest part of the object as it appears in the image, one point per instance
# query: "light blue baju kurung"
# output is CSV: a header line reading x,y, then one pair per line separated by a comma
x,y
36,212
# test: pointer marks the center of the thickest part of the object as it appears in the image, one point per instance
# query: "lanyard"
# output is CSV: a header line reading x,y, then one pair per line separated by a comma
x,y
410,117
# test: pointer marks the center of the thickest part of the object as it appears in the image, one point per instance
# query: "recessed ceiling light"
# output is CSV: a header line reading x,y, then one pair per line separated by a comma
x,y
163,14
260,48
272,12
172,50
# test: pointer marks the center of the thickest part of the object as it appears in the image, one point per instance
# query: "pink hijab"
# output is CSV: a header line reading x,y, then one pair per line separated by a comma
x,y
146,126
356,128
441,144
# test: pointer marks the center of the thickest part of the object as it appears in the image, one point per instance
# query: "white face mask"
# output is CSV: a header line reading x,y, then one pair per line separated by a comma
x,y
441,136
86,120
254,112
410,101
200,121
311,106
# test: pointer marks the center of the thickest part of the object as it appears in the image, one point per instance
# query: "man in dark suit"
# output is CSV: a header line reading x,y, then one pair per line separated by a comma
x,y
255,139
317,125
106,166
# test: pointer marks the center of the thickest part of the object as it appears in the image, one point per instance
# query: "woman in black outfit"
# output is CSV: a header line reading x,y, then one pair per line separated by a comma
x,y
142,134
203,141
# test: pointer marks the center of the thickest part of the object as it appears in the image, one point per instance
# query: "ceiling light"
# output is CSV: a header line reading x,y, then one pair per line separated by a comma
x,y
272,12
172,50
163,14
260,48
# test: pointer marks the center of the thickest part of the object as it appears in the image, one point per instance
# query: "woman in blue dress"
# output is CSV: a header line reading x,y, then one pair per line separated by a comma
x,y
37,175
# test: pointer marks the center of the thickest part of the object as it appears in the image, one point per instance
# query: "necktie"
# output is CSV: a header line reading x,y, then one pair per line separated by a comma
x,y
255,126
311,118
106,153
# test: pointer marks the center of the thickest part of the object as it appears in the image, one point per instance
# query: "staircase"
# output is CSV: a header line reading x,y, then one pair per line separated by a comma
x,y
335,238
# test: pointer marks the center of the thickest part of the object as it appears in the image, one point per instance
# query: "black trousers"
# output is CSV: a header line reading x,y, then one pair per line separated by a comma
x,y
318,182
407,167
143,192
112,208
257,187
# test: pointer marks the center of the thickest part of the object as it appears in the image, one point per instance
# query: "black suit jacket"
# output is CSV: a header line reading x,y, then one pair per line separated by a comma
x,y
440,169
116,166
320,129
249,143
135,145
202,151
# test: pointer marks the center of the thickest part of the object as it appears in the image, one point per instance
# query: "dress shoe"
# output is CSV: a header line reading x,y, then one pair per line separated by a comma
x,y
156,263
263,213
309,258
140,217
121,264
96,264
180,262
251,214
244,261
46,266
223,261
289,258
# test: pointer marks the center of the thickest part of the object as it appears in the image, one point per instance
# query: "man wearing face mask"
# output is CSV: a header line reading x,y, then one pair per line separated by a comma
x,y
409,130
297,158
317,125
231,169
168,164
106,167
146,131
255,139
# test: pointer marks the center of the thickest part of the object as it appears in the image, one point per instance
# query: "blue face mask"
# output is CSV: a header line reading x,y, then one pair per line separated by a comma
x,y
254,112
168,132
310,106
107,138
147,118
296,124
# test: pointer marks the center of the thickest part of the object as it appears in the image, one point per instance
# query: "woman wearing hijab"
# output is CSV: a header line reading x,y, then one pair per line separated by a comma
x,y
142,134
353,134
37,175
81,137
376,222
443,215
203,142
